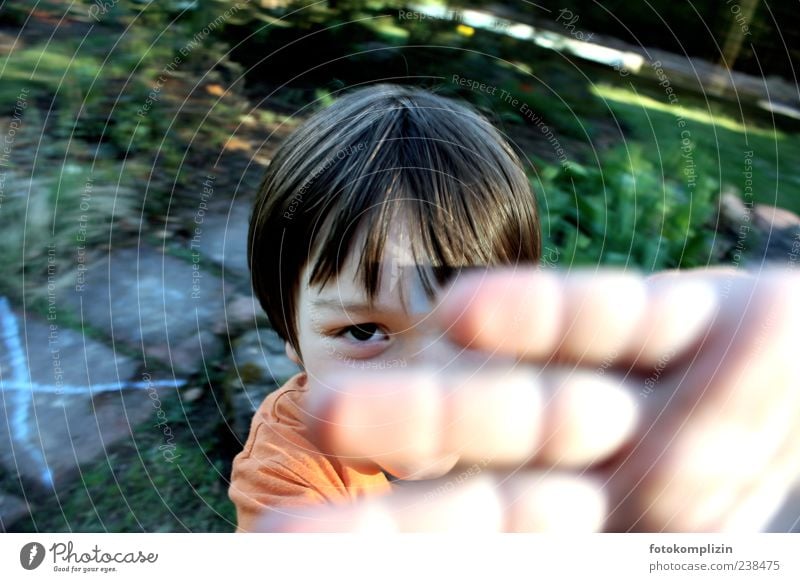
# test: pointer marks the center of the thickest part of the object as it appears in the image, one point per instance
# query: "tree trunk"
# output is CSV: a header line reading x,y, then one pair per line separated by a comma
x,y
742,18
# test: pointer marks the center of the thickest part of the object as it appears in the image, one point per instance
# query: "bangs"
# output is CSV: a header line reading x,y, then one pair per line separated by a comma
x,y
459,207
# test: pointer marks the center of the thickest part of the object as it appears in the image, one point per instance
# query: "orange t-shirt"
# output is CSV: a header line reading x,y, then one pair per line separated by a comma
x,y
280,467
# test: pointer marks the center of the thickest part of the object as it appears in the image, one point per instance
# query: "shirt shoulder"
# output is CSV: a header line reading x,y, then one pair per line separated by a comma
x,y
279,466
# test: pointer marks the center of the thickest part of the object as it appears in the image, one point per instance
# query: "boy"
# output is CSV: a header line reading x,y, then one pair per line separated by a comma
x,y
391,175
367,214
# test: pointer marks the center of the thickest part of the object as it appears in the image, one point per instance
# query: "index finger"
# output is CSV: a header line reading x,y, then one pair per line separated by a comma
x,y
581,317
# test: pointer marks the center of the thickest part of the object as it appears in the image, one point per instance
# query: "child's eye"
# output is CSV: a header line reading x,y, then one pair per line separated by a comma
x,y
364,332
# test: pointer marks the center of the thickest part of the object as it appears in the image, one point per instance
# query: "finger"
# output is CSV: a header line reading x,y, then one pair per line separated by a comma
x,y
505,312
501,418
679,312
588,417
761,499
725,436
588,318
525,502
554,502
433,506
718,488
556,417
750,346
368,516
386,418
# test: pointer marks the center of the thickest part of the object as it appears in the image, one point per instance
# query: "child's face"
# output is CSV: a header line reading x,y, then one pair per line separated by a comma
x,y
339,331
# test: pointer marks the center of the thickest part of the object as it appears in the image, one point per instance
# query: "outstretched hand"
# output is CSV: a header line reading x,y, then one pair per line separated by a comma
x,y
605,401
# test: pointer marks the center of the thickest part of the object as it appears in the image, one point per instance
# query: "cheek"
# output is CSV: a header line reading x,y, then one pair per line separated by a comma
x,y
324,356
349,350
342,349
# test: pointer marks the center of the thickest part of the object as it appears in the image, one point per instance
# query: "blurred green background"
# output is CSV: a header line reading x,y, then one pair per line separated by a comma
x,y
655,136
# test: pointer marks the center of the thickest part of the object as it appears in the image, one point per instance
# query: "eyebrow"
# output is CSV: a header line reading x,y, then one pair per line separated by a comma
x,y
355,306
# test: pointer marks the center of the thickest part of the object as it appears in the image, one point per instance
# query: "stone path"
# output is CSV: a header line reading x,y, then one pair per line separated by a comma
x,y
66,398
156,321
157,304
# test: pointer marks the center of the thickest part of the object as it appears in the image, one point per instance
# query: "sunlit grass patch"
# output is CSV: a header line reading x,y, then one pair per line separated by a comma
x,y
742,154
705,116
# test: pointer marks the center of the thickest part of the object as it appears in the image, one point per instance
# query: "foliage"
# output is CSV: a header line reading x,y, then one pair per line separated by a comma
x,y
624,212
727,140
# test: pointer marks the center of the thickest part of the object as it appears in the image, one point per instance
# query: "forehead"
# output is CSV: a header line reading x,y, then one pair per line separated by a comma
x,y
401,285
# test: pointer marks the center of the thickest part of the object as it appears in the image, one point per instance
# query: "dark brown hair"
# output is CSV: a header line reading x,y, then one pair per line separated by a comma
x,y
375,152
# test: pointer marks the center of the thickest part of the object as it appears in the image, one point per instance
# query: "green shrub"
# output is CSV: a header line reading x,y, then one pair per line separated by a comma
x,y
623,212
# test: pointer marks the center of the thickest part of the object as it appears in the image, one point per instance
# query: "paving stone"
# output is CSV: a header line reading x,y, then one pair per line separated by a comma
x,y
65,400
223,236
260,356
242,313
261,366
151,302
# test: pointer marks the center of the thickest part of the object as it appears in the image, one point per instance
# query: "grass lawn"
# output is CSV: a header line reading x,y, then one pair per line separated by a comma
x,y
135,489
723,145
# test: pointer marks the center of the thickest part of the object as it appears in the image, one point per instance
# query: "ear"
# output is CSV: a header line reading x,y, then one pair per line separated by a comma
x,y
292,354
